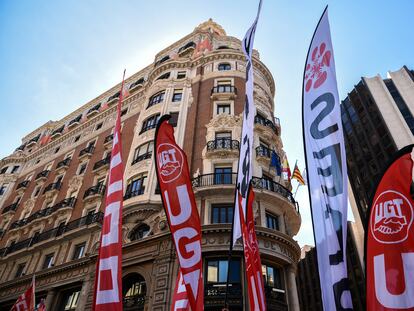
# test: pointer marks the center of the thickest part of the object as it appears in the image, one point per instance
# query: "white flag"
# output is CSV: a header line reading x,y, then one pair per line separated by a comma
x,y
244,175
326,167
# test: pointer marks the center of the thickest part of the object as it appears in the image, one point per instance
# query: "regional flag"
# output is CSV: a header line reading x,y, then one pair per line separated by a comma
x,y
297,175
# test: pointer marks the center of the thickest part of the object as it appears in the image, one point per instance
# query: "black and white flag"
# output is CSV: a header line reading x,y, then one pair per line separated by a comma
x,y
326,167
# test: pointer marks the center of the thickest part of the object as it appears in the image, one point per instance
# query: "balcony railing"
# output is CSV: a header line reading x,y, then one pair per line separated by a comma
x,y
58,131
223,89
137,83
215,295
108,138
12,207
64,163
189,45
142,157
53,233
275,299
34,140
266,122
87,151
263,151
135,303
94,109
98,189
102,162
42,174
129,194
23,184
114,97
52,186
75,121
223,143
215,179
69,202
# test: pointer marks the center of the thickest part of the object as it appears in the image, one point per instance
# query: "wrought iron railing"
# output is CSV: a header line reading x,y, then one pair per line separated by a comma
x,y
224,89
53,186
88,150
11,207
265,122
263,151
223,143
133,193
141,157
23,184
136,302
63,163
215,295
42,174
97,189
102,162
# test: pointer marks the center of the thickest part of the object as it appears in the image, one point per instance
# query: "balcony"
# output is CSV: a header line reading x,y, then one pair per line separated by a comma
x,y
213,179
186,49
266,124
64,164
94,110
223,146
264,152
75,121
10,208
93,192
136,84
57,132
224,92
142,157
69,202
23,184
86,152
108,139
53,233
113,98
42,175
215,295
33,141
102,164
133,193
52,187
135,303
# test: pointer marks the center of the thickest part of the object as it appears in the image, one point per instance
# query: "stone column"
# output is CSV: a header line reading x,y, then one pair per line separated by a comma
x,y
83,296
51,294
292,289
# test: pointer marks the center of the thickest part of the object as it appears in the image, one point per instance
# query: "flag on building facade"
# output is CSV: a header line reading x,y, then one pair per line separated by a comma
x,y
180,298
108,278
181,211
244,175
326,168
275,162
286,168
297,175
41,305
252,260
26,301
390,238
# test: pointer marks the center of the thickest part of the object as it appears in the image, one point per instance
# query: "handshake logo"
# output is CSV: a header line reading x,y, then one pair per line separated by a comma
x,y
393,216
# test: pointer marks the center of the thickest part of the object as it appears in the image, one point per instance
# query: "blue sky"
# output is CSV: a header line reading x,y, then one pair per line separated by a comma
x,y
57,55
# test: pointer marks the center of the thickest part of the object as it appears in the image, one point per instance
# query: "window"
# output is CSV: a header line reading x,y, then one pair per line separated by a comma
x,y
98,126
164,76
150,123
143,152
3,189
133,285
221,213
223,108
57,149
177,95
223,140
135,187
181,75
79,251
20,270
70,300
272,221
156,99
76,139
48,262
4,170
222,175
217,271
36,191
140,232
124,112
82,168
15,169
272,277
174,119
224,66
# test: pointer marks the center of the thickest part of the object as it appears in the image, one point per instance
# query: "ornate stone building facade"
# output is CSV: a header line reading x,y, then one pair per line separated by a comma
x,y
52,187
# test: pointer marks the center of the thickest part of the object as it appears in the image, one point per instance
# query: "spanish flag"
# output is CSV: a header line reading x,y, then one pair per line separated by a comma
x,y
286,168
297,175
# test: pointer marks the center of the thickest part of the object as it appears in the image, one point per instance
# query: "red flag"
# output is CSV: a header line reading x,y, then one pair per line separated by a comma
x,y
181,210
390,238
26,301
108,278
252,260
41,306
180,299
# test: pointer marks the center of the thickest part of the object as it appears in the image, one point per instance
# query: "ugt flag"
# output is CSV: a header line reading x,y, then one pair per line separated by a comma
x,y
326,166
390,238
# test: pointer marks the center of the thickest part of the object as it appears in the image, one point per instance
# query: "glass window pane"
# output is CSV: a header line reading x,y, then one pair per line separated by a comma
x,y
234,276
215,218
223,264
212,271
270,277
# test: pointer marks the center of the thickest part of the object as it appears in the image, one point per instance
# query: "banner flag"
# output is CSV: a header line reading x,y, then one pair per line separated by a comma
x,y
108,277
326,167
244,174
180,299
181,210
252,260
26,301
297,175
390,238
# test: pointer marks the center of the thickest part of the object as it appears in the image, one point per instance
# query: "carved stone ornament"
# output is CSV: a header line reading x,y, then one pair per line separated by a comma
x,y
224,120
29,204
75,183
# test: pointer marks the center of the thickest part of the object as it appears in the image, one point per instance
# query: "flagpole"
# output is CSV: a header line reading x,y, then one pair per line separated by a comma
x,y
294,196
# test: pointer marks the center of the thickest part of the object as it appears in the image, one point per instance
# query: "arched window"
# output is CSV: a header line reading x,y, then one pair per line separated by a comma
x,y
156,99
140,232
224,66
134,290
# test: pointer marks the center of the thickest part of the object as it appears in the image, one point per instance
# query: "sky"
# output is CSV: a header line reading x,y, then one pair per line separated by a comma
x,y
57,55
